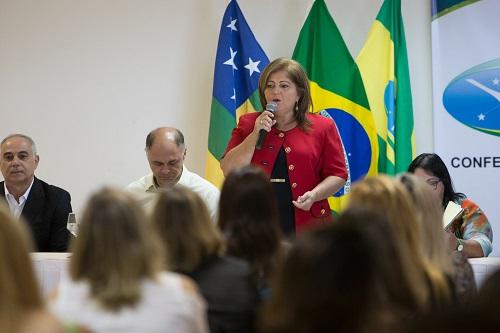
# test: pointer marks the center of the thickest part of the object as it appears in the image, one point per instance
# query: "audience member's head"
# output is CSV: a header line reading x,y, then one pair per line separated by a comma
x,y
384,194
429,215
389,196
333,279
489,294
115,249
431,168
248,218
480,315
166,150
183,222
21,299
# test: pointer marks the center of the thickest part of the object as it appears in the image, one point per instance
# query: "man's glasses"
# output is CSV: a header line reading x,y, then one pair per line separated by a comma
x,y
433,182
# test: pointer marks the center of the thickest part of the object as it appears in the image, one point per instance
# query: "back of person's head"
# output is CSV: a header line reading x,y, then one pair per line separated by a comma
x,y
433,164
396,284
387,195
382,193
331,280
489,294
429,215
115,249
184,225
19,290
478,315
248,217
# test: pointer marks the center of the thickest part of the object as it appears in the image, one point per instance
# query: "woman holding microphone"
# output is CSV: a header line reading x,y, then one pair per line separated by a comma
x,y
301,153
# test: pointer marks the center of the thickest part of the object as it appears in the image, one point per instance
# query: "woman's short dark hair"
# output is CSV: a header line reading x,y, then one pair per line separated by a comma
x,y
248,217
434,165
299,77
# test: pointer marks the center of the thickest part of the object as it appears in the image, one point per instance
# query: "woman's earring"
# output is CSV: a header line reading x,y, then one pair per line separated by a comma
x,y
296,105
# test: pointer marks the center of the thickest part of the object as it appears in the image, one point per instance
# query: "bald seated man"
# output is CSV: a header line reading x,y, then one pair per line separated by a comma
x,y
166,151
44,207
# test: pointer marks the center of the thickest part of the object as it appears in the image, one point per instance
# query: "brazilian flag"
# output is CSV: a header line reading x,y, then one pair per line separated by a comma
x,y
338,93
238,64
383,63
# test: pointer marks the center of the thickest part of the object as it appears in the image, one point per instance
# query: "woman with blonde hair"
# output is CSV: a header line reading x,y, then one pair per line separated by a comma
x,y
428,285
21,303
117,282
435,248
194,247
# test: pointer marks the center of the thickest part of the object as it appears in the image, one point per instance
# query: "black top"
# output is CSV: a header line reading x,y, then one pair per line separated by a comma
x,y
283,194
228,287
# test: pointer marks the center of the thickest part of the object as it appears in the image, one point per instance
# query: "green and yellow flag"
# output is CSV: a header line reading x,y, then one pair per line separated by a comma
x,y
383,63
337,91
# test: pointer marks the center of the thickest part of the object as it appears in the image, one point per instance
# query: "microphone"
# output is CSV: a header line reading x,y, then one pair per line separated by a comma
x,y
271,107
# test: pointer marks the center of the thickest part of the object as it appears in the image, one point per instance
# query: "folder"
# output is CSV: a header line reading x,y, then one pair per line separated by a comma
x,y
451,213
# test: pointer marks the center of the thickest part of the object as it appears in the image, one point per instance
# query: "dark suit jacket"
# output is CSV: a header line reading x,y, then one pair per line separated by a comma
x,y
46,213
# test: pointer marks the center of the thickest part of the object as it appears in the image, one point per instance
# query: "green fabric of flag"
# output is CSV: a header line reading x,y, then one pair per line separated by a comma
x,y
383,63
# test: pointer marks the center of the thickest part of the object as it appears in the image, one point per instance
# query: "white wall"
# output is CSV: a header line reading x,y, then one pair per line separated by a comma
x,y
88,79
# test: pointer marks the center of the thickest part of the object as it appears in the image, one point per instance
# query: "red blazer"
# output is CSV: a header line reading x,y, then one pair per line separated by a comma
x,y
311,156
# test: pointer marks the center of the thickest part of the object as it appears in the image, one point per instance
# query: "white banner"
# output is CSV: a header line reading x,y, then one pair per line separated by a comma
x,y
466,100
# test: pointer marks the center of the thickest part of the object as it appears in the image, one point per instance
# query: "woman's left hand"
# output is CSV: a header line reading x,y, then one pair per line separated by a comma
x,y
305,201
323,190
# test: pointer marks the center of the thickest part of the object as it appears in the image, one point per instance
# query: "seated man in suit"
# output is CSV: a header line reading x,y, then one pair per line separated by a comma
x,y
165,151
44,207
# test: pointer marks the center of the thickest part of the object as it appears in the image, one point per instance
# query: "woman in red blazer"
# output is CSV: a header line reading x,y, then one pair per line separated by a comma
x,y
302,153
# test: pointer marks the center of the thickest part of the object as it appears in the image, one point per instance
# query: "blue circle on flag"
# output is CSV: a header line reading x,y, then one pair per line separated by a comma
x,y
473,97
390,103
356,145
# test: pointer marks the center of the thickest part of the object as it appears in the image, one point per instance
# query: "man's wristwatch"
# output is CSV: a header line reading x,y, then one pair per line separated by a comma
x,y
460,245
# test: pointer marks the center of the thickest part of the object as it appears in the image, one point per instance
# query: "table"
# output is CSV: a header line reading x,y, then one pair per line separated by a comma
x,y
483,267
49,267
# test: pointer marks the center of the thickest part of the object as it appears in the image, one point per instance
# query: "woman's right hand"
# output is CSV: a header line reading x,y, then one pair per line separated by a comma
x,y
242,154
264,121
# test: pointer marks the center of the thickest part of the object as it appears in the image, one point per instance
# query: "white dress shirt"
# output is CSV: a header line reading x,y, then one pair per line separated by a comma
x,y
16,208
146,190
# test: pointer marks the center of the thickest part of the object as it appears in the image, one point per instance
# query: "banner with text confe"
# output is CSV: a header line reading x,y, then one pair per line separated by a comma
x,y
466,90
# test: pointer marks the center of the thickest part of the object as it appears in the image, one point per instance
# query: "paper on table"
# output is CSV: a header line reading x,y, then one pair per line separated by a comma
x,y
452,212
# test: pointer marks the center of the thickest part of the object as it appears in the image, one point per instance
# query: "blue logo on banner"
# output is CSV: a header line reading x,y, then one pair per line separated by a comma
x,y
473,97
